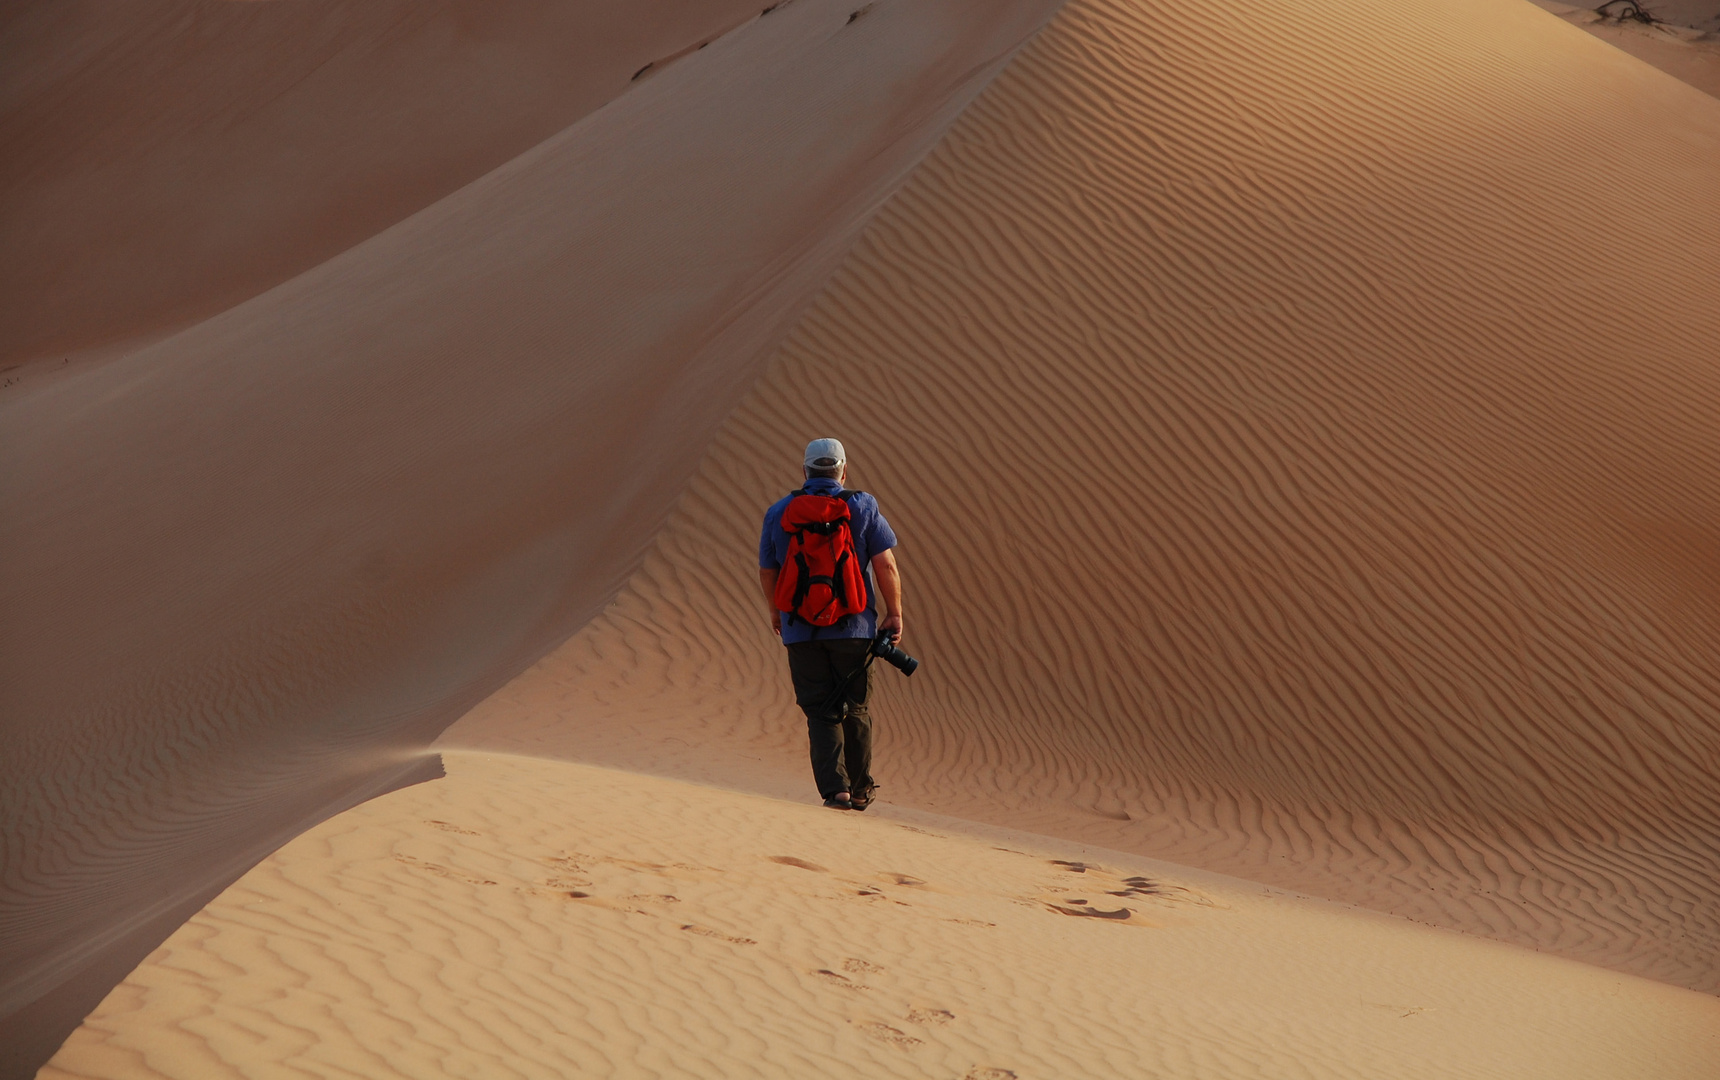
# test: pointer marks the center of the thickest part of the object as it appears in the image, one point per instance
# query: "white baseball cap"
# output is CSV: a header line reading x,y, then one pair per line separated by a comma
x,y
825,454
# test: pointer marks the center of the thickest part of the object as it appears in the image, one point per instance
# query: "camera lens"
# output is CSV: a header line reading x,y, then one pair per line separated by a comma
x,y
885,651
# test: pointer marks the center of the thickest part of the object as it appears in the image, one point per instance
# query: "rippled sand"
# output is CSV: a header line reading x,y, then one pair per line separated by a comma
x,y
1289,484
541,919
1299,421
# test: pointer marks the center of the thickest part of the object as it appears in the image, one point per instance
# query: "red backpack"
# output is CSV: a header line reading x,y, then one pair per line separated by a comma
x,y
822,579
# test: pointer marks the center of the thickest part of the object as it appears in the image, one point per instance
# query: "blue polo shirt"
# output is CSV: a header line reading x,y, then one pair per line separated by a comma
x,y
872,534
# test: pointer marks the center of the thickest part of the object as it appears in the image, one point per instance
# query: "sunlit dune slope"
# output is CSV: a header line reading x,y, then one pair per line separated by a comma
x,y
526,918
163,160
250,569
1301,424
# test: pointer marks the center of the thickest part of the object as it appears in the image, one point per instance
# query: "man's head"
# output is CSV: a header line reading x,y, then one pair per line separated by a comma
x,y
826,458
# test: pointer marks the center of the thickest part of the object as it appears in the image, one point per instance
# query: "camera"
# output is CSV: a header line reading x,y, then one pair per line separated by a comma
x,y
885,649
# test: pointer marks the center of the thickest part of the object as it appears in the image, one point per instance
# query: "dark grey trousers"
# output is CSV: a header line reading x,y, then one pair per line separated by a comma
x,y
841,746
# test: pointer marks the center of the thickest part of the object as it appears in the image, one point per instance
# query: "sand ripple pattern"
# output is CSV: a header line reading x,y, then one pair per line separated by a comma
x,y
526,918
1301,421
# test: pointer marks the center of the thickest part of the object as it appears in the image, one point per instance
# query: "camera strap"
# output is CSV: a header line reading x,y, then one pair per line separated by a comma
x,y
835,701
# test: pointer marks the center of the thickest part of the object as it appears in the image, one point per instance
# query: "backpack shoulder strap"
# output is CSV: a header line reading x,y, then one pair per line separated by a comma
x,y
846,494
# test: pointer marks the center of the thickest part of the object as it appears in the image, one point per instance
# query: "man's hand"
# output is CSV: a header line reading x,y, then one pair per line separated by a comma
x,y
892,623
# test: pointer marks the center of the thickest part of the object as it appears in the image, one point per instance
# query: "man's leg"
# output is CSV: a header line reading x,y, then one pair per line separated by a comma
x,y
815,681
850,656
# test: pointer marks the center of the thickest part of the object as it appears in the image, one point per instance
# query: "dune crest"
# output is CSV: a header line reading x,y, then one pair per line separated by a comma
x,y
1683,40
253,568
165,160
1300,422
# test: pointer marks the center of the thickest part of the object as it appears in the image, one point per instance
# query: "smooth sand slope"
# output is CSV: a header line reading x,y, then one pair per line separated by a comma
x,y
165,159
526,918
1301,424
251,569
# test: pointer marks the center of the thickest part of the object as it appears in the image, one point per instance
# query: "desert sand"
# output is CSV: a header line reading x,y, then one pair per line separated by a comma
x,y
543,919
1300,424
218,632
1352,525
168,159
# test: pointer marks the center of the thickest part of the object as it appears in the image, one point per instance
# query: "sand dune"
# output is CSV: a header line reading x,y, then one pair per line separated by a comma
x,y
1300,422
252,568
166,160
530,918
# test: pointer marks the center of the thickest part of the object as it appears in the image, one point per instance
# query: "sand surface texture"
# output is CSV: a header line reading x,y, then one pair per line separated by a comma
x,y
166,159
526,918
1300,424
1300,421
254,567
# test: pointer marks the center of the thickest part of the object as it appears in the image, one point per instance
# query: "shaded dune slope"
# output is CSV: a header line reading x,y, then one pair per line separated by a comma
x,y
1300,422
165,160
1683,43
251,569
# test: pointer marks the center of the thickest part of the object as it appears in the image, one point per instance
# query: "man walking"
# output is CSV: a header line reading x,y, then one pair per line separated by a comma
x,y
818,545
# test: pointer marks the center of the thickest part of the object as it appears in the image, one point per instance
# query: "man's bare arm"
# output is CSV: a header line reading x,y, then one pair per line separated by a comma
x,y
889,578
767,581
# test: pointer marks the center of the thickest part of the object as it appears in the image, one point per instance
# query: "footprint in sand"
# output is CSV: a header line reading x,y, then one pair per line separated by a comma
x,y
1081,907
836,979
705,931
861,967
1074,867
790,860
930,1016
988,1073
887,1034
1137,886
446,827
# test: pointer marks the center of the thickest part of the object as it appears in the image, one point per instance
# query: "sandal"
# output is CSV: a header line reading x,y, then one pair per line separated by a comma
x,y
862,798
840,801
